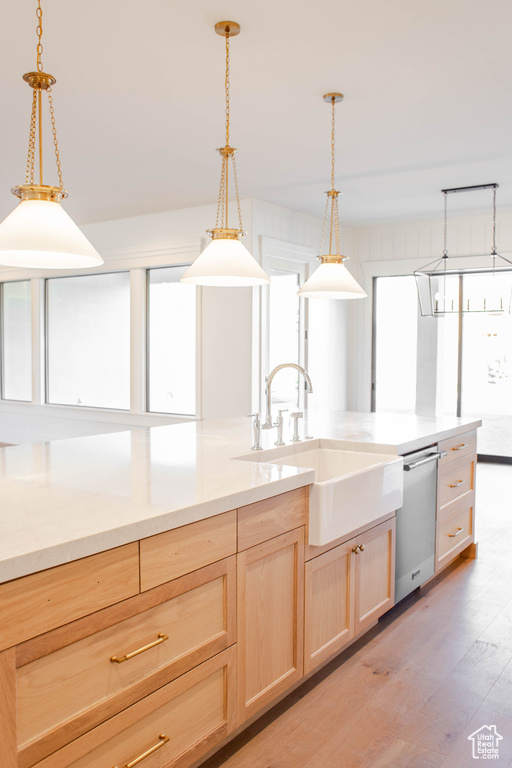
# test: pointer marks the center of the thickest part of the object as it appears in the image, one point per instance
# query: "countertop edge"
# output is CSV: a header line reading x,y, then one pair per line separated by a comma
x,y
85,546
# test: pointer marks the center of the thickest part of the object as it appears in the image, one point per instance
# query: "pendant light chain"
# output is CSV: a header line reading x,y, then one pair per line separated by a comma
x,y
332,195
55,140
39,32
227,152
39,84
332,142
29,173
226,87
324,226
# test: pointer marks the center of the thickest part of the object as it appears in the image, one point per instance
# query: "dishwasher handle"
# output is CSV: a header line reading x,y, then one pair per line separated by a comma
x,y
431,457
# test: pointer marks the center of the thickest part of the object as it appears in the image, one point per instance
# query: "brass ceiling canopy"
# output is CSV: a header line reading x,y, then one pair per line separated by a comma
x,y
227,28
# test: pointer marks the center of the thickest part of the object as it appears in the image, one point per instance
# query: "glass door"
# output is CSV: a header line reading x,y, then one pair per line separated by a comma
x,y
486,386
458,364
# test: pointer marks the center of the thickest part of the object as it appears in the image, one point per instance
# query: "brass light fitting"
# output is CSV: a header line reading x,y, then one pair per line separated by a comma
x,y
40,81
38,233
226,262
332,280
332,197
227,29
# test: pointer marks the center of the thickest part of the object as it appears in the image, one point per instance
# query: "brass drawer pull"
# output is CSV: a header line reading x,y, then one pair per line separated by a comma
x,y
163,739
453,535
456,485
161,639
459,447
358,549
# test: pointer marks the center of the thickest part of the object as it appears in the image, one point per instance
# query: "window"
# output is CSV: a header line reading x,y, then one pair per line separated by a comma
x,y
284,337
17,341
395,343
171,342
88,340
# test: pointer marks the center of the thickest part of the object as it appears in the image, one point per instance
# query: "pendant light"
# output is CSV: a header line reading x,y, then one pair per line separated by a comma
x,y
39,233
438,294
332,280
226,261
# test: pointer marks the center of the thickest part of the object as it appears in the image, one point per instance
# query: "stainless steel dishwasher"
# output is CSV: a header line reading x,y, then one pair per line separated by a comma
x,y
416,521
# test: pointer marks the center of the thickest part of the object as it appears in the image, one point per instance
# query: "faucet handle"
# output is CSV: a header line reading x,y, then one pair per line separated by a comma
x,y
282,410
296,415
256,430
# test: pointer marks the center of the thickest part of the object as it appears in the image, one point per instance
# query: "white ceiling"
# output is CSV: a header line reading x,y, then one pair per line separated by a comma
x,y
139,102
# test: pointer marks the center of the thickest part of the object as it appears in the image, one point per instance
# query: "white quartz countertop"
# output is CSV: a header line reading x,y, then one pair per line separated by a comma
x,y
67,499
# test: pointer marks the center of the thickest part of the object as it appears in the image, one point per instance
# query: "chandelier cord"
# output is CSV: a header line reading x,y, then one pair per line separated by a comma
x,y
445,249
493,254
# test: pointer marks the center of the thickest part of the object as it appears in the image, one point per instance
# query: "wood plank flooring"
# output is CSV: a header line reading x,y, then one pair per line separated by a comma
x,y
410,692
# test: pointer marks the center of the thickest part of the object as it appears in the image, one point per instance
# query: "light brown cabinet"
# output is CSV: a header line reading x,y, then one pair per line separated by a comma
x,y
270,620
456,499
164,647
171,727
346,590
374,574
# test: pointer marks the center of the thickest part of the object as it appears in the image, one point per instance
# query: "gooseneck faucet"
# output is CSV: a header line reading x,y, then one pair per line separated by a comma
x,y
268,392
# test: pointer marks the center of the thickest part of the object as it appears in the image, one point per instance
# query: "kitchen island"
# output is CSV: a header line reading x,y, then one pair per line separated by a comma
x,y
109,542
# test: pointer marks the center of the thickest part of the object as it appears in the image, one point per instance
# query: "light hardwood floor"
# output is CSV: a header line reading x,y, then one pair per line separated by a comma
x,y
410,692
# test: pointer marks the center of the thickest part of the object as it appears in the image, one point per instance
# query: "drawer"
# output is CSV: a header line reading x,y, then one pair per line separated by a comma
x,y
168,555
269,518
79,685
455,532
42,601
180,722
457,447
454,480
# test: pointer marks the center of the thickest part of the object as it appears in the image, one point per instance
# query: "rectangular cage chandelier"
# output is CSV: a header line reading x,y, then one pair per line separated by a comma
x,y
440,294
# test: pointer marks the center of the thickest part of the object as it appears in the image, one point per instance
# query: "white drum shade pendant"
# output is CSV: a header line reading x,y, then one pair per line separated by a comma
x,y
332,280
226,261
39,233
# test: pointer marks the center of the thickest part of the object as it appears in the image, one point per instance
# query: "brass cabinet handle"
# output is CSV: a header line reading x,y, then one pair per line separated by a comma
x,y
163,739
119,660
456,485
361,547
453,535
459,447
355,550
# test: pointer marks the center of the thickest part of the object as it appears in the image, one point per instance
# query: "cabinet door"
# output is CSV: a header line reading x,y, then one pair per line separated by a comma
x,y
270,620
374,574
329,604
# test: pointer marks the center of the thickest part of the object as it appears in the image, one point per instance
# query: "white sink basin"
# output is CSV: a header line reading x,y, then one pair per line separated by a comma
x,y
351,489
